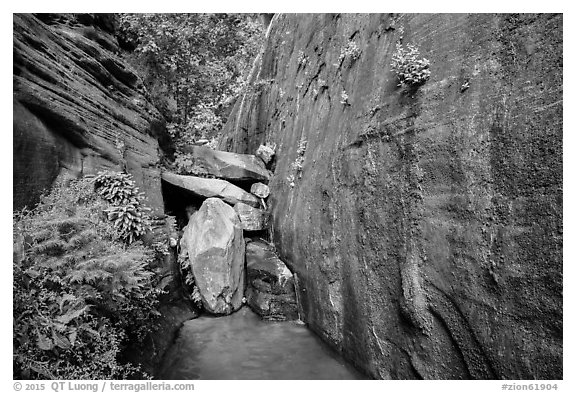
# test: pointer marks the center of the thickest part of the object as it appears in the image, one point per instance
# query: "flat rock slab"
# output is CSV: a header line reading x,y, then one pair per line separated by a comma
x,y
242,346
209,188
215,247
252,219
225,165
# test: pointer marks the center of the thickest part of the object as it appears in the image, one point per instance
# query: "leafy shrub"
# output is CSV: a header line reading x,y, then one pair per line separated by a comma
x,y
193,65
117,188
204,122
79,295
409,67
130,218
184,163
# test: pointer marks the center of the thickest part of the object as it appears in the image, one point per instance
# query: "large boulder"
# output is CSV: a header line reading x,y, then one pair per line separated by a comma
x,y
252,219
270,291
225,165
78,107
214,245
209,188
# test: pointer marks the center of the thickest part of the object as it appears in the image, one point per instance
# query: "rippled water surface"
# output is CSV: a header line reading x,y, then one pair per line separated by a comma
x,y
242,346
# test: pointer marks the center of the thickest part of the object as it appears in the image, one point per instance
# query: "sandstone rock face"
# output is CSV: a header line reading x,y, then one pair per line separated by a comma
x,y
225,165
260,190
251,219
78,108
426,229
270,291
215,246
209,188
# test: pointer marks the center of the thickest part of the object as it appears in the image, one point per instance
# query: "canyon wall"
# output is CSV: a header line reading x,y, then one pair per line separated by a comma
x,y
425,224
78,107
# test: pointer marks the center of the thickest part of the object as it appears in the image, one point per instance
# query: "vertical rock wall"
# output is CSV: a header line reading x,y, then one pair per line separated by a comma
x,y
78,107
426,228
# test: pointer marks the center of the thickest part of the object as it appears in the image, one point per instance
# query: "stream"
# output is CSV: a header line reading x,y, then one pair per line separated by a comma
x,y
243,346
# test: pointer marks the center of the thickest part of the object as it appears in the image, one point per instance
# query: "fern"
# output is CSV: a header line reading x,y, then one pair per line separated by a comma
x,y
130,218
79,294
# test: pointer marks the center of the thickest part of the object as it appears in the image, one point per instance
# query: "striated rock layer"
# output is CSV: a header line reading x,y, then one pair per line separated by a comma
x,y
424,225
78,107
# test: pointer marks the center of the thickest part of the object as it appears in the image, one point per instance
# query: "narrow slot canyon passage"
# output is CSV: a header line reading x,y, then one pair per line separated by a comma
x,y
288,196
243,346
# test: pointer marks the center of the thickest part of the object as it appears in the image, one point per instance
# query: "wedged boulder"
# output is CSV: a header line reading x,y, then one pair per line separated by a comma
x,y
215,247
252,219
260,190
209,188
270,291
266,152
225,165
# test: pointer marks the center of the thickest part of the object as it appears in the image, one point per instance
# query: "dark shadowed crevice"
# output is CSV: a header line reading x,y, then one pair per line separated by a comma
x,y
176,202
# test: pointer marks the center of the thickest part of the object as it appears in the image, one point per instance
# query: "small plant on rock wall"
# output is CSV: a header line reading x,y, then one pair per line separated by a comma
x,y
196,297
116,188
344,98
297,166
128,220
302,59
351,52
129,217
266,152
411,69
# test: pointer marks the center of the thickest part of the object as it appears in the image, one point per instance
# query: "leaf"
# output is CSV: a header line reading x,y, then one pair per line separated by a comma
x,y
32,273
44,343
66,298
93,332
72,337
71,315
42,370
60,340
